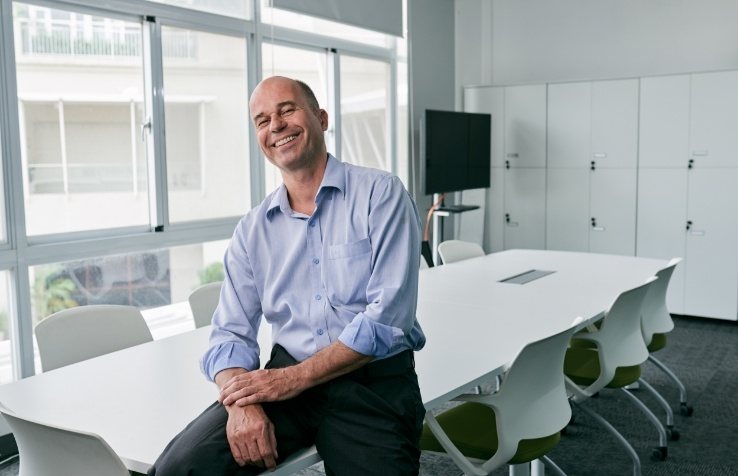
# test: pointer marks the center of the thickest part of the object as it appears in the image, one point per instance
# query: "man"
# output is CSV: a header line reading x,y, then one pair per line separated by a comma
x,y
330,259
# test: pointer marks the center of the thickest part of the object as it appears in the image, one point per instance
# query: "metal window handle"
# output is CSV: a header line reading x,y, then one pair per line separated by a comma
x,y
146,127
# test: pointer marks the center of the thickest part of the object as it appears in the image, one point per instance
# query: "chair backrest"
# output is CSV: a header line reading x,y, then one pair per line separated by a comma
x,y
46,449
457,250
532,401
84,332
655,317
203,302
619,339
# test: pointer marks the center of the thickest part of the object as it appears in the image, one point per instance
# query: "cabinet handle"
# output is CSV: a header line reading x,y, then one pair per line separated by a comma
x,y
697,232
592,165
690,164
512,155
599,155
700,153
689,225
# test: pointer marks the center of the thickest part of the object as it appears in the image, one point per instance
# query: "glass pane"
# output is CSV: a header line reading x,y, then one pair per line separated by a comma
x,y
206,126
231,8
297,21
3,230
157,281
364,107
80,97
307,66
6,353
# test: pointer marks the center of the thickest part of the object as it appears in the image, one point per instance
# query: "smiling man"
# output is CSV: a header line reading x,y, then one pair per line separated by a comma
x,y
330,259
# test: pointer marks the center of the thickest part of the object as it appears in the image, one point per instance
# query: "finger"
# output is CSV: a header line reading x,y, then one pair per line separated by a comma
x,y
267,451
239,394
254,453
273,440
251,399
236,452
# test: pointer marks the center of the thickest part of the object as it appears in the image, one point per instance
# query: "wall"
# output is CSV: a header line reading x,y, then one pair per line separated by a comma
x,y
431,76
535,41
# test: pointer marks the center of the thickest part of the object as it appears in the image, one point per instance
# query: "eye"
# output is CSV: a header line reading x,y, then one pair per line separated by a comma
x,y
261,123
287,111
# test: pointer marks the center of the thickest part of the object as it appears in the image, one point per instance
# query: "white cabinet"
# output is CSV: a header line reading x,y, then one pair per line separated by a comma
x,y
688,188
592,157
525,126
516,201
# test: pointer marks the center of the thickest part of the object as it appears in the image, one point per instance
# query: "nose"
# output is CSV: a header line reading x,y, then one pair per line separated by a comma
x,y
277,122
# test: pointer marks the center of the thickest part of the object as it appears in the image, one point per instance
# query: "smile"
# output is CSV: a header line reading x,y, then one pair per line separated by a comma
x,y
284,141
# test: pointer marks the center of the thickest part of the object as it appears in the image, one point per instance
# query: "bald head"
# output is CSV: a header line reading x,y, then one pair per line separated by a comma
x,y
305,93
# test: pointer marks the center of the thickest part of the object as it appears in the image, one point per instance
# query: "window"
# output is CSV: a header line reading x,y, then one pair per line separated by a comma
x,y
207,122
233,8
80,93
6,368
364,108
156,281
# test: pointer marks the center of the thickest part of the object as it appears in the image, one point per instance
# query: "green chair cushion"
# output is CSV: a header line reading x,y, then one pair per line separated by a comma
x,y
582,365
658,342
472,427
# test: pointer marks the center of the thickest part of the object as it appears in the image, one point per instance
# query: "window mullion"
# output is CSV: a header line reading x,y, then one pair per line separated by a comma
x,y
20,305
334,100
253,76
154,125
392,108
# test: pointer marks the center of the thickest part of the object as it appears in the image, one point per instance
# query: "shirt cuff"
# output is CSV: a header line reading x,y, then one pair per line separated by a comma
x,y
227,356
369,337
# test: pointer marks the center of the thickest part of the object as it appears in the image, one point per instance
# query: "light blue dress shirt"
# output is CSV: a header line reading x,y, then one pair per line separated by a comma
x,y
348,272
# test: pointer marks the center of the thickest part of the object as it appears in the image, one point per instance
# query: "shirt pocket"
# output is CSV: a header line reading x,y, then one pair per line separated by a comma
x,y
346,272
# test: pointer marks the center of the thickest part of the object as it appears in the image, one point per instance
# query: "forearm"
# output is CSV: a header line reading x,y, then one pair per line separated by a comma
x,y
222,377
335,360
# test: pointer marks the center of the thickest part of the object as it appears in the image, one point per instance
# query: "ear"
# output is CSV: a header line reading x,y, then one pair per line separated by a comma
x,y
323,116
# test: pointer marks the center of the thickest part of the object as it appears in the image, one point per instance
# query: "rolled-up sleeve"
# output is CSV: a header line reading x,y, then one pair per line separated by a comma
x,y
392,289
233,342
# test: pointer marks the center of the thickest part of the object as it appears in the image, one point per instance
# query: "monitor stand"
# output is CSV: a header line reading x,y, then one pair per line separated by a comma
x,y
438,214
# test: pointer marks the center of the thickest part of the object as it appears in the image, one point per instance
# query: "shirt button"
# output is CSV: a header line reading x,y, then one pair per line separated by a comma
x,y
316,261
317,297
320,332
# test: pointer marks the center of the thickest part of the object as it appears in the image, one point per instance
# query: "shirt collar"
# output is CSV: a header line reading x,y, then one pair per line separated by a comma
x,y
333,177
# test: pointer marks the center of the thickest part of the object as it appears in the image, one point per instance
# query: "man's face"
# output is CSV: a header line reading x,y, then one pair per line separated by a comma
x,y
289,131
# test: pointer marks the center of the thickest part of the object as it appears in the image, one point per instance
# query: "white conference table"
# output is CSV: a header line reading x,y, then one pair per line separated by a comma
x,y
137,399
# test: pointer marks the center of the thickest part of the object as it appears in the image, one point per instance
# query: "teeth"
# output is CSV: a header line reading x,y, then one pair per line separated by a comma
x,y
282,142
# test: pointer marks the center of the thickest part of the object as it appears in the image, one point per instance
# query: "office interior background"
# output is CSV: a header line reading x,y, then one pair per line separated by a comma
x,y
128,156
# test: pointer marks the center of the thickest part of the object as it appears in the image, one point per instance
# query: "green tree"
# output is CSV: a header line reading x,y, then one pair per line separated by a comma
x,y
211,273
52,292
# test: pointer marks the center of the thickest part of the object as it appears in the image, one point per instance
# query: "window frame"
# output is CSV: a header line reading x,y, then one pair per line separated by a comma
x,y
19,252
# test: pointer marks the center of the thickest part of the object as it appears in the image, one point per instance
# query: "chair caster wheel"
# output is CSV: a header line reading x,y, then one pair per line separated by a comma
x,y
659,453
686,410
672,434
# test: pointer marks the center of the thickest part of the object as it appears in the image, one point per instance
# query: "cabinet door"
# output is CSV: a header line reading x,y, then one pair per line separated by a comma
x,y
494,213
662,218
615,123
525,125
525,205
712,269
612,203
568,141
567,209
714,119
490,100
664,122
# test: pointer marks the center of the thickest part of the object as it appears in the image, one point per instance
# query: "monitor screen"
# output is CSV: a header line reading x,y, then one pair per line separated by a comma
x,y
457,151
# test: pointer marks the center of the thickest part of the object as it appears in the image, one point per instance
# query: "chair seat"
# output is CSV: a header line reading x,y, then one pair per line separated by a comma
x,y
472,427
658,342
582,365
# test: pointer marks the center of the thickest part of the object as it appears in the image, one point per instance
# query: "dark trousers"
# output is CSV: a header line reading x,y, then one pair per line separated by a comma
x,y
367,422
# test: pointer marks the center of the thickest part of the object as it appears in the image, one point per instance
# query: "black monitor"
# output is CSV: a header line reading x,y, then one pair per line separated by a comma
x,y
457,151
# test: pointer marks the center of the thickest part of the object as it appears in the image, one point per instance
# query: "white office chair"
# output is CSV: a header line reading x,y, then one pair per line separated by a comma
x,y
656,323
457,250
519,423
203,302
84,332
611,357
46,449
